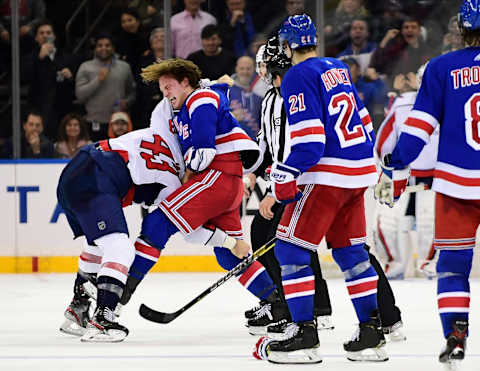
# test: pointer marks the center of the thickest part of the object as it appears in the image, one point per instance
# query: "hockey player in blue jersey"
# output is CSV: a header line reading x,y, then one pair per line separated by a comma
x,y
449,97
322,181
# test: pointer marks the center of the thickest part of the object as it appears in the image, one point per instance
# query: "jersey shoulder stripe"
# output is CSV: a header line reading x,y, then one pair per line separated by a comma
x,y
201,97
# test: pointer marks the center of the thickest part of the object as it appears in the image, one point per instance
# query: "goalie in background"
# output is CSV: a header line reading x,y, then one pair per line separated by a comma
x,y
415,211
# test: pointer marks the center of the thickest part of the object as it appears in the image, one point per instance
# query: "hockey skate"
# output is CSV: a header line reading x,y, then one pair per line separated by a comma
x,y
454,351
394,332
299,346
367,343
77,313
272,311
103,329
277,330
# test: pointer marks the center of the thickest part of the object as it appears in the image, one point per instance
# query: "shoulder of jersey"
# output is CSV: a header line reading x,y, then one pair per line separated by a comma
x,y
202,96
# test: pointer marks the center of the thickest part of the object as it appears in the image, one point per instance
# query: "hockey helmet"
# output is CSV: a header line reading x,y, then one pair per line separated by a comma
x,y
271,48
279,64
469,15
298,31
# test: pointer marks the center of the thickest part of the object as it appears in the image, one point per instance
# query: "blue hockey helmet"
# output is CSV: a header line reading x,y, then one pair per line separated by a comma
x,y
469,15
298,31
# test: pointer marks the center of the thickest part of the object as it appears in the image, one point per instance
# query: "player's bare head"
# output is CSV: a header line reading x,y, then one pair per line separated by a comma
x,y
177,79
469,22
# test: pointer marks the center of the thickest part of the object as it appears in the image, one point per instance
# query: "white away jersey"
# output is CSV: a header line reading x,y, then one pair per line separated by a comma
x,y
153,154
391,128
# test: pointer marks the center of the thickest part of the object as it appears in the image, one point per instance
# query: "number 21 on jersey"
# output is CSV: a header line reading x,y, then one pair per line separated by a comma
x,y
344,105
297,103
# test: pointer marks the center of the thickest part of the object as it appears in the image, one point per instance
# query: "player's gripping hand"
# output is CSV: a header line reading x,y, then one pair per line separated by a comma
x,y
284,183
260,351
199,159
391,184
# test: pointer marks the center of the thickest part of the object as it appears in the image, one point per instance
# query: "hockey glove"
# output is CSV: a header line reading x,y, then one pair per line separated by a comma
x,y
284,183
391,184
199,159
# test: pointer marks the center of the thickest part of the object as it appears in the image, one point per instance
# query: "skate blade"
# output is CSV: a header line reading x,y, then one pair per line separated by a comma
x,y
396,337
303,356
368,355
452,365
257,330
72,328
276,335
95,335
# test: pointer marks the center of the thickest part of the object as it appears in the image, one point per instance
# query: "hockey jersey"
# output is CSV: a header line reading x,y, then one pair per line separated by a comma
x,y
390,130
152,155
449,97
330,129
205,121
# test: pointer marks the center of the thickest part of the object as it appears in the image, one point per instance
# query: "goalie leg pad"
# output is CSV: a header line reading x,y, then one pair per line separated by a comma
x,y
453,290
360,277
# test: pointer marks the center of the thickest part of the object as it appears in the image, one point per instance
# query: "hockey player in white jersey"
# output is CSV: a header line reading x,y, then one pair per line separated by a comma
x,y
143,166
393,239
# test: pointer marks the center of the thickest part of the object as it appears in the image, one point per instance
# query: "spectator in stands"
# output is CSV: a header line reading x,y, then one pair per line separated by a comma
x,y
120,124
30,13
291,7
132,40
384,16
50,72
213,60
150,12
244,103
72,135
148,95
373,93
337,31
33,143
401,51
104,84
258,40
452,40
237,31
359,46
186,28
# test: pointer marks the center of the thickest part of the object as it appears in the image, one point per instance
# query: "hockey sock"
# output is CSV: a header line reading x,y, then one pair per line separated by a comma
x,y
146,256
255,278
157,228
298,280
110,291
360,277
453,290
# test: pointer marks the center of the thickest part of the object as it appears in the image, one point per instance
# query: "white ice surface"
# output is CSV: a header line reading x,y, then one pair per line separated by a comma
x,y
208,337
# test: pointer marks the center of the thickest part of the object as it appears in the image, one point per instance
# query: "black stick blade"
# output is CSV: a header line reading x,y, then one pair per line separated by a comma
x,y
154,316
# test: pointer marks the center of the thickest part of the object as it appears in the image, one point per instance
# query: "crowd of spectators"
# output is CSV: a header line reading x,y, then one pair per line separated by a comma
x,y
74,99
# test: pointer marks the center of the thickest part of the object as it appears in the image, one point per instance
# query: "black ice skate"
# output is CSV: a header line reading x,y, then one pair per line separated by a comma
x,y
299,346
272,311
77,313
454,351
103,328
367,343
251,313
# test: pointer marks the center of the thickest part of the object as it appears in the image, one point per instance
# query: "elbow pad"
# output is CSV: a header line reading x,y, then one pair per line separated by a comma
x,y
199,159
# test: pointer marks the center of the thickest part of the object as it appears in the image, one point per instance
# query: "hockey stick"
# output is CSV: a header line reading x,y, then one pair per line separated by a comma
x,y
161,317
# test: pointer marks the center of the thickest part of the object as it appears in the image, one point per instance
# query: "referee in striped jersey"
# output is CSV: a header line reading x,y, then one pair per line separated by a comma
x,y
274,141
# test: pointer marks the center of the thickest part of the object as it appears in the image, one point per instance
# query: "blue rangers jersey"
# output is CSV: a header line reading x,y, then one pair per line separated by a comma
x,y
205,121
331,131
449,97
